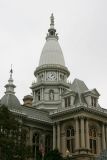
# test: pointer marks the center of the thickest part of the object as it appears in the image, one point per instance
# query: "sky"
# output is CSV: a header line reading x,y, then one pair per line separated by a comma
x,y
82,30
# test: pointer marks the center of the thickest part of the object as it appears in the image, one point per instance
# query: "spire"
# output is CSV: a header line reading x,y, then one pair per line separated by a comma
x,y
52,20
52,31
10,86
11,72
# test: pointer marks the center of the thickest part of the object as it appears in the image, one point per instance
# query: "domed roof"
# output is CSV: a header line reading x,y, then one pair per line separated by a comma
x,y
10,100
52,53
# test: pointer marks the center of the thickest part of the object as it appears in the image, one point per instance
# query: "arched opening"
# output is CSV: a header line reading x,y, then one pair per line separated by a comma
x,y
70,138
93,139
35,140
38,95
47,143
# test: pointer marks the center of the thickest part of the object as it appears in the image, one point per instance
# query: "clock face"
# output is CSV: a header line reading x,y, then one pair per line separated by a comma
x,y
51,76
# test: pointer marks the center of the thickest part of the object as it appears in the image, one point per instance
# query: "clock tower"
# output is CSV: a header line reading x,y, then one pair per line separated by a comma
x,y
51,74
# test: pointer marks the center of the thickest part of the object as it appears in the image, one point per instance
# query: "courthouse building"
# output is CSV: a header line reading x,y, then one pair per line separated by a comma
x,y
59,114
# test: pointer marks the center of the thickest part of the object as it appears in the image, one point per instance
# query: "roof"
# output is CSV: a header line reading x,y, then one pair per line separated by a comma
x,y
10,100
78,86
52,53
36,114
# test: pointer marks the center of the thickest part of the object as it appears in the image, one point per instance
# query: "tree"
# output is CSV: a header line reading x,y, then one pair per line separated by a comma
x,y
12,137
53,155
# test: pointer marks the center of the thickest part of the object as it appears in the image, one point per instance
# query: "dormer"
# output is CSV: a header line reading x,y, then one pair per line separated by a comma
x,y
68,99
91,97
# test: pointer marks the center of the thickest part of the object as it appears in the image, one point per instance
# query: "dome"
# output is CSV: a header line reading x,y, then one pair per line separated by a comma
x,y
52,53
10,100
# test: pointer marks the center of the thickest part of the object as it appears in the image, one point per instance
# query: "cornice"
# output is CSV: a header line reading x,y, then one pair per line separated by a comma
x,y
49,83
47,102
75,109
69,93
49,67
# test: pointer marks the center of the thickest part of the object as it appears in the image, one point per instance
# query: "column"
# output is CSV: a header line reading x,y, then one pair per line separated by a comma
x,y
30,136
103,137
34,97
82,133
63,103
99,143
72,100
77,134
57,76
42,93
58,136
45,75
60,93
87,134
54,136
106,136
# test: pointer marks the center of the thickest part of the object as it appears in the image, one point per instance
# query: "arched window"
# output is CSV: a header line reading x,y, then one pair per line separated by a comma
x,y
35,144
70,139
93,101
47,143
38,95
67,101
93,139
51,95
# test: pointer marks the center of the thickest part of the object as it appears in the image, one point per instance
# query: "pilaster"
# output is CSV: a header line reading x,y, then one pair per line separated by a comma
x,y
82,132
54,136
106,136
103,137
76,134
58,136
30,136
87,135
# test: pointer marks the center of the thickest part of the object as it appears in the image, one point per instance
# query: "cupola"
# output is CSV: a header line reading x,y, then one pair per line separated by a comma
x,y
9,99
52,53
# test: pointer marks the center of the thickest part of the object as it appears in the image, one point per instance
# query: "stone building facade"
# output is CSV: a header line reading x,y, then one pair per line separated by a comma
x,y
59,114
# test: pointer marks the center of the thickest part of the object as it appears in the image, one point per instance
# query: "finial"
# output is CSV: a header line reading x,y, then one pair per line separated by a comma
x,y
10,86
52,20
52,31
11,71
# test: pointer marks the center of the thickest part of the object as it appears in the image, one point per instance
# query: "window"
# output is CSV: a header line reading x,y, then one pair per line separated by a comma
x,y
93,101
52,33
67,101
38,95
35,144
41,77
47,143
61,77
70,139
93,137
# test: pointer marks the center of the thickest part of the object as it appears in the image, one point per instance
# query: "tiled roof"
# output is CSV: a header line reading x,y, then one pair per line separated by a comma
x,y
36,114
78,86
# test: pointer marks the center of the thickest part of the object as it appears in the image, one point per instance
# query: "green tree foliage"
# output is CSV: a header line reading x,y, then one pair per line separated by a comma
x,y
12,137
39,156
53,155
